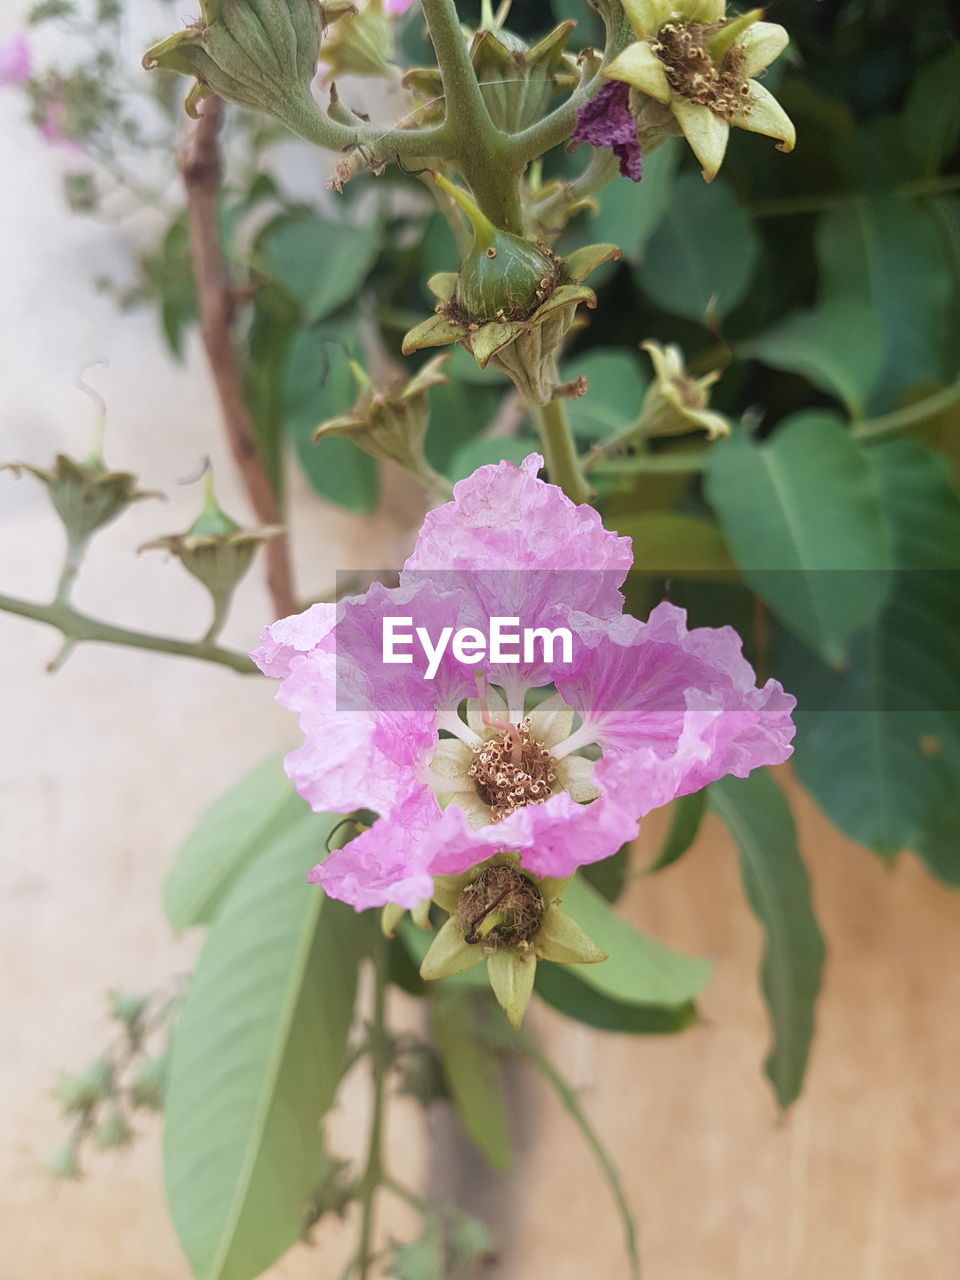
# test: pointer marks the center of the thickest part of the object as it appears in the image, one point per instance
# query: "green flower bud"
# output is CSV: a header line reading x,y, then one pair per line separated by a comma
x,y
261,54
503,277
216,551
361,43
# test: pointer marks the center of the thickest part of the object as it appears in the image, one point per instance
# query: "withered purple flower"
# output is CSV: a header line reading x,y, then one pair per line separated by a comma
x,y
606,121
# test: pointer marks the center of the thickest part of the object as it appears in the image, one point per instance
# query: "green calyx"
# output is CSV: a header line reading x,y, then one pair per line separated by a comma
x,y
260,54
503,277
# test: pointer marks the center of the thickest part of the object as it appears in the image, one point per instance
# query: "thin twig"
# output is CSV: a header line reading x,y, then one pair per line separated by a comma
x,y
77,628
201,171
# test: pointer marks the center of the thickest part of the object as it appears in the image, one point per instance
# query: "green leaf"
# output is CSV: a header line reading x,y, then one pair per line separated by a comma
x,y
706,251
458,412
801,513
878,744
615,388
229,835
320,386
638,970
257,1055
666,543
563,990
932,114
629,215
758,817
320,263
686,814
885,253
838,347
609,875
472,1072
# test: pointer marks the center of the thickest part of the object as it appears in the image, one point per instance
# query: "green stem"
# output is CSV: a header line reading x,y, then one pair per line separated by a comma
x,y
571,1104
563,464
479,150
373,1175
76,550
902,419
663,464
77,627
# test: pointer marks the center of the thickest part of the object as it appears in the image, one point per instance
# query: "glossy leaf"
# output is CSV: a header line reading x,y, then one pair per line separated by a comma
x,y
932,114
639,970
472,1071
801,513
756,812
257,1055
704,254
230,834
629,215
479,453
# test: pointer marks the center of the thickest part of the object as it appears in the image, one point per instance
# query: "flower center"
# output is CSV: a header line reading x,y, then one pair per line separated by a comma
x,y
692,73
500,908
512,770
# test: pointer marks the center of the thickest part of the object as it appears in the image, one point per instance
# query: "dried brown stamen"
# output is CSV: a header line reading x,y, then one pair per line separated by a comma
x,y
692,73
508,895
507,779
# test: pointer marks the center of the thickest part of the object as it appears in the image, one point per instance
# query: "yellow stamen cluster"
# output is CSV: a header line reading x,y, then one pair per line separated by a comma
x,y
692,73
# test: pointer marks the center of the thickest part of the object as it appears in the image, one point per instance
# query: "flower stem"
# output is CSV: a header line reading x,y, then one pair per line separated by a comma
x,y
563,464
373,1175
72,560
571,1103
479,150
902,419
77,627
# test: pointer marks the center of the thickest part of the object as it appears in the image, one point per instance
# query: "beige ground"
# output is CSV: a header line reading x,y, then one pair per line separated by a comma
x,y
105,767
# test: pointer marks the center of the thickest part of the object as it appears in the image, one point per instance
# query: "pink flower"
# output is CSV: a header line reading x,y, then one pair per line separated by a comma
x,y
14,61
398,6
460,768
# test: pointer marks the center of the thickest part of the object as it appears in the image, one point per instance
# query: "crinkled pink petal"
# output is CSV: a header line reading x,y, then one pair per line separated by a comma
x,y
386,863
398,6
634,683
553,839
351,759
286,641
503,519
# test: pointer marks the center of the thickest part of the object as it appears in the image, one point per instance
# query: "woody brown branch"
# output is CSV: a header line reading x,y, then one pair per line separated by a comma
x,y
200,170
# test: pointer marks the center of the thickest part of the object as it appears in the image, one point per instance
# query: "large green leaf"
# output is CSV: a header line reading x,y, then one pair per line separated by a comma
x,y
628,214
686,814
757,814
932,114
837,347
885,253
562,989
257,1055
472,1071
638,970
878,743
802,515
233,831
703,255
616,385
320,263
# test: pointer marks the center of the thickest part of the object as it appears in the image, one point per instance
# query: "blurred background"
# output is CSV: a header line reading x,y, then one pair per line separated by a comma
x,y
107,765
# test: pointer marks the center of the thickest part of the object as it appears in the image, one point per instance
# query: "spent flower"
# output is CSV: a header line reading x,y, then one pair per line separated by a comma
x,y
701,66
676,402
